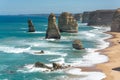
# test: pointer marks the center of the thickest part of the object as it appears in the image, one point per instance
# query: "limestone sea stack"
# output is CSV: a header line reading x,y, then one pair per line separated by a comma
x,y
67,23
52,30
77,44
115,27
30,26
101,18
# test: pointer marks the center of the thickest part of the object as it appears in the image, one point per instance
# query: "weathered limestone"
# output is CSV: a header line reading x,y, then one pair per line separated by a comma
x,y
85,17
77,44
101,18
115,27
67,23
30,26
52,30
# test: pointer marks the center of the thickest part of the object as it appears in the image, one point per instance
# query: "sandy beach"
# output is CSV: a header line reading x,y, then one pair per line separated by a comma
x,y
113,52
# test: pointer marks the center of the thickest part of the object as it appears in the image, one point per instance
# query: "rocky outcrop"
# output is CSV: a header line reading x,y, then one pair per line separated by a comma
x,y
85,17
78,17
67,23
55,66
52,30
30,26
77,44
101,18
41,65
115,27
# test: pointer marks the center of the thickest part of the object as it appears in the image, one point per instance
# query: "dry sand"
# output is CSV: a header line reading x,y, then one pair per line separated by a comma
x,y
113,52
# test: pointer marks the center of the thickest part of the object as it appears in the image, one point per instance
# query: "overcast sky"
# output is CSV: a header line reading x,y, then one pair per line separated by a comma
x,y
55,6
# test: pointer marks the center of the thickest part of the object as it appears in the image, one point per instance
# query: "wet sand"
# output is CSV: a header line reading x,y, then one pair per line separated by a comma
x,y
113,52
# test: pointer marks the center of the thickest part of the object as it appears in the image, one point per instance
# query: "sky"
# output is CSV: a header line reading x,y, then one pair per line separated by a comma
x,y
11,7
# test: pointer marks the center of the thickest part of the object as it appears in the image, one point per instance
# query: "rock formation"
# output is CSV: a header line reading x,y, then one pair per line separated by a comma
x,y
101,18
67,23
78,17
41,65
115,27
41,52
30,26
52,30
57,66
85,17
77,44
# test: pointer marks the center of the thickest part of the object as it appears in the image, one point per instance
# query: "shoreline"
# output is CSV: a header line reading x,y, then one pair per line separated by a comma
x,y
112,51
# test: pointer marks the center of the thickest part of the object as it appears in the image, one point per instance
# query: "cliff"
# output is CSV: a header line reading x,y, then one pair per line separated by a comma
x,y
115,27
78,17
85,17
101,18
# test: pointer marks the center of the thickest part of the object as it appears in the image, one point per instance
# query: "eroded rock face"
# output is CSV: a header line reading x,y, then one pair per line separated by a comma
x,y
78,17
77,44
101,18
30,26
85,17
67,23
52,30
115,27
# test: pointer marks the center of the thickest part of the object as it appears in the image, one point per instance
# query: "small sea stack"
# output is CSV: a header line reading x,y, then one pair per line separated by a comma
x,y
52,30
67,23
77,44
115,27
30,26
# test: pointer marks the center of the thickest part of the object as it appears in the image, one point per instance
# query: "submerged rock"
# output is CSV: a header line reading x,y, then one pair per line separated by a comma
x,y
67,23
30,26
115,27
101,18
77,44
52,30
41,65
41,52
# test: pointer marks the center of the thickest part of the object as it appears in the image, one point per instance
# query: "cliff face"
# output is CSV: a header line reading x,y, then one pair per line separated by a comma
x,y
67,23
101,18
115,27
85,17
52,30
30,26
78,17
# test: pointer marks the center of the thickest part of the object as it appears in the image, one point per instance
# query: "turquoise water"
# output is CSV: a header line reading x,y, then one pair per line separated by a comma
x,y
17,48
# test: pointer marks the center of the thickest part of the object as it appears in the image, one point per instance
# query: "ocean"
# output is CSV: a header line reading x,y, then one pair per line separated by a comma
x,y
18,47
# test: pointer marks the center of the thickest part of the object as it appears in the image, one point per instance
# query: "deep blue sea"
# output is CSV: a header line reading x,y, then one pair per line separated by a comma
x,y
18,47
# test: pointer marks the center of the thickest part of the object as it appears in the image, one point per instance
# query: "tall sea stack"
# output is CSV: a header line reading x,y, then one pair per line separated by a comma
x,y
30,26
67,23
52,30
115,27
